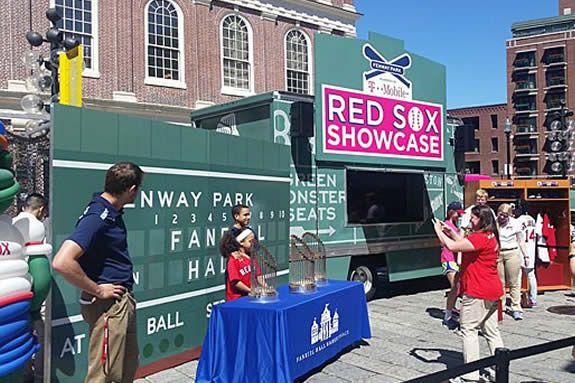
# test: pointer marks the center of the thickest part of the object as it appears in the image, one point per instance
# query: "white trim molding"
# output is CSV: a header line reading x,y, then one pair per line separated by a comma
x,y
94,71
165,83
16,86
203,104
309,59
319,14
124,96
71,164
180,83
202,2
230,90
269,16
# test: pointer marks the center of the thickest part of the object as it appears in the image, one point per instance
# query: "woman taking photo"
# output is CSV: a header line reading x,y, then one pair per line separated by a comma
x,y
238,271
480,285
512,255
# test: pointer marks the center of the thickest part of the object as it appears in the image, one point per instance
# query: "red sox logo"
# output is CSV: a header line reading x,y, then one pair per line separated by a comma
x,y
4,248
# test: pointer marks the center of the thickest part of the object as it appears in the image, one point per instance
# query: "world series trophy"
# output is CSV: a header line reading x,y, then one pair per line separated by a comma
x,y
315,244
264,275
302,267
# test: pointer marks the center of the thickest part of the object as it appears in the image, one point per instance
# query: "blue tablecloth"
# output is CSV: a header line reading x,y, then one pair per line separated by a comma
x,y
280,341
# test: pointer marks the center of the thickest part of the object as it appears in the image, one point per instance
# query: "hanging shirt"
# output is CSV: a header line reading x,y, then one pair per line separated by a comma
x,y
542,252
527,225
549,234
508,234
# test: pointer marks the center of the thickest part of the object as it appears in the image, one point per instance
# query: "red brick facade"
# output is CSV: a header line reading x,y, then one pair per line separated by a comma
x,y
489,158
121,45
566,7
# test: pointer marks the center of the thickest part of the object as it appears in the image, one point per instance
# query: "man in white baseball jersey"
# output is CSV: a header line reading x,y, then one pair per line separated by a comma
x,y
527,224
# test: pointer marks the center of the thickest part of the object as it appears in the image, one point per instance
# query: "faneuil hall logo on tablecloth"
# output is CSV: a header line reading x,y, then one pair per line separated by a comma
x,y
323,334
327,328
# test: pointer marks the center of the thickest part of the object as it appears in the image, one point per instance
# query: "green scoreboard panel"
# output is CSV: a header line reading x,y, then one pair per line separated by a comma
x,y
193,178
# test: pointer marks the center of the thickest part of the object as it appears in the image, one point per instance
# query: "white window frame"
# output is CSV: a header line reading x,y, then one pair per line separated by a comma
x,y
309,59
181,83
228,90
93,72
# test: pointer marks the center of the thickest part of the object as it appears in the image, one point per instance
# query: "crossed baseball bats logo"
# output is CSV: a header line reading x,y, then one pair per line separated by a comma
x,y
380,65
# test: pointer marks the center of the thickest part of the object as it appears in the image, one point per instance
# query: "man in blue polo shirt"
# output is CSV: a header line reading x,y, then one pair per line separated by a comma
x,y
95,259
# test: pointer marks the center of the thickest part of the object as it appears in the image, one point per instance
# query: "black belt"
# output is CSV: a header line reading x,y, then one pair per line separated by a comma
x,y
513,248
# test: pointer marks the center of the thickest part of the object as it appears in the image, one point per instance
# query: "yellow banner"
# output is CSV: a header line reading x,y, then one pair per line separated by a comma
x,y
71,77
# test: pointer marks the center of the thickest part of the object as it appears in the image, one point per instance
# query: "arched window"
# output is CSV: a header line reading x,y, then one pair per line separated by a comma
x,y
164,42
236,54
80,21
297,62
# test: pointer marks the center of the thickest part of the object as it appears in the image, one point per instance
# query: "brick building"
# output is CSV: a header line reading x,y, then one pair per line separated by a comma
x,y
163,58
540,74
489,154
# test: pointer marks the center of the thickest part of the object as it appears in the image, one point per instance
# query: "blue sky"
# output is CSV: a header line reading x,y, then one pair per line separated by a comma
x,y
467,36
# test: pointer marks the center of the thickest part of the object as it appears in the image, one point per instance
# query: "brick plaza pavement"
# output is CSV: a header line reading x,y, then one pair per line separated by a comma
x,y
409,341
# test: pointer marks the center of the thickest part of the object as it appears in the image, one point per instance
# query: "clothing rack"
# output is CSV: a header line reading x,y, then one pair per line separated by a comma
x,y
549,196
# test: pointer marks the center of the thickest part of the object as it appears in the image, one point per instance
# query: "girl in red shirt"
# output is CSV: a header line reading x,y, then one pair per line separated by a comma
x,y
238,271
479,282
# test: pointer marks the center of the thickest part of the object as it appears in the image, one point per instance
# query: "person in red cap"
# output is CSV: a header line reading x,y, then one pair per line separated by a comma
x,y
450,266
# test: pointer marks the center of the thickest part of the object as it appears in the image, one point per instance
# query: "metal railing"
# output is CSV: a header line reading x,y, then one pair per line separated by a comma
x,y
501,360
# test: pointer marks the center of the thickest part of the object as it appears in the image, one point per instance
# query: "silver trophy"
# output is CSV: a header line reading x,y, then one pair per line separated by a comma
x,y
302,267
264,274
315,244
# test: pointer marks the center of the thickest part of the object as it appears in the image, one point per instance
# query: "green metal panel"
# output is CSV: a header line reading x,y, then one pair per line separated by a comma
x,y
192,180
427,85
409,264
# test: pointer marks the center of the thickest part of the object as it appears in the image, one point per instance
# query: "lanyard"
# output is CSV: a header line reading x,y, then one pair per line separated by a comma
x,y
105,343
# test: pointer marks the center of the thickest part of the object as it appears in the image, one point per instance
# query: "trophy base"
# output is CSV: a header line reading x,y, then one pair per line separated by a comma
x,y
302,289
321,282
266,298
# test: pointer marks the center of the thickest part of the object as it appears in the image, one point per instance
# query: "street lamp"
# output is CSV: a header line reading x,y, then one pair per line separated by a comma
x,y
58,43
507,131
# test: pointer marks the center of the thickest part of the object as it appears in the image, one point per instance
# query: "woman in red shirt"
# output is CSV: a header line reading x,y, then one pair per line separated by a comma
x,y
480,284
238,271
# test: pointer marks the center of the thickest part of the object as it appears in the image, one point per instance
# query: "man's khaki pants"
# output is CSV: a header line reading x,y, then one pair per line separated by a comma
x,y
478,314
509,268
121,361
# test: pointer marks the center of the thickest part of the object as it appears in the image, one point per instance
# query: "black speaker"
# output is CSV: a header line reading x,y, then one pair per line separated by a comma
x,y
301,119
464,138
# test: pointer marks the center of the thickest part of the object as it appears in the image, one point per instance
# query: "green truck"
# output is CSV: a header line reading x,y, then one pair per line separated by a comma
x,y
392,239
372,155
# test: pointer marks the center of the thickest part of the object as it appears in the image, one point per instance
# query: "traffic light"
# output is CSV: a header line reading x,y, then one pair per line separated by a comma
x,y
559,143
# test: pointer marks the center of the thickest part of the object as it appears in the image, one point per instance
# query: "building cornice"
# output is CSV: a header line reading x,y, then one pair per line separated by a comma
x,y
306,11
560,36
476,109
202,2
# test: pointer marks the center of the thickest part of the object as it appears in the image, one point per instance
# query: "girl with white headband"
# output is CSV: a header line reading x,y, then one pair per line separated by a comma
x,y
238,271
